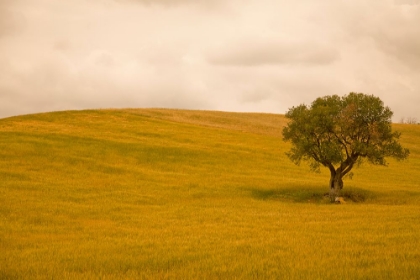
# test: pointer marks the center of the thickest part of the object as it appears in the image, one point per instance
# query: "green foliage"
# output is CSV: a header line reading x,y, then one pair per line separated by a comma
x,y
339,132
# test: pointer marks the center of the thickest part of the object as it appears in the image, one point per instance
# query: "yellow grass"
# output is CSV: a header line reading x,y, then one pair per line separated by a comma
x,y
173,194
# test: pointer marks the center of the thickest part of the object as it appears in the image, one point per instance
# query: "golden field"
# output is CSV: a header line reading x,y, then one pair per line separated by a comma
x,y
175,194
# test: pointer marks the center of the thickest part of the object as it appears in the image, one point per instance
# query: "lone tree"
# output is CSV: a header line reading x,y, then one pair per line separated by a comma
x,y
340,132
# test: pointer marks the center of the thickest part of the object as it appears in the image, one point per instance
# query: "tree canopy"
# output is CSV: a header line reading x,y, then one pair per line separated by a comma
x,y
339,132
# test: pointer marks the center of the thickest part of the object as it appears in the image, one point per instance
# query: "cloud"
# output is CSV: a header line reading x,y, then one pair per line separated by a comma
x,y
393,28
175,3
407,2
99,79
11,20
402,38
160,2
255,53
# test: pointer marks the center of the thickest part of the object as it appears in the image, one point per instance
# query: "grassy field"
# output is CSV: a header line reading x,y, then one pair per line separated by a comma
x,y
172,194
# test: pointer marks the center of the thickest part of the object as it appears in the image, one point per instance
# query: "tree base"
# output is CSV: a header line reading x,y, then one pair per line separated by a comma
x,y
339,200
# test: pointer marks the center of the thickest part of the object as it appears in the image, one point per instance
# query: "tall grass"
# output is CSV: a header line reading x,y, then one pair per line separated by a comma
x,y
173,194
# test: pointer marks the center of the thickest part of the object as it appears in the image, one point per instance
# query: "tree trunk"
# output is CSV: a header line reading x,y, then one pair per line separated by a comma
x,y
336,184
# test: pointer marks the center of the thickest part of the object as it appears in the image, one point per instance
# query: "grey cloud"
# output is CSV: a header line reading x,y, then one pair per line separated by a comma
x,y
173,3
274,53
252,55
158,2
272,89
101,80
256,95
11,21
402,41
394,29
62,45
178,97
407,2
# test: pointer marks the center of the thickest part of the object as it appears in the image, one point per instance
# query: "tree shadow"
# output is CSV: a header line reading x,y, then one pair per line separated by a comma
x,y
289,194
310,195
358,195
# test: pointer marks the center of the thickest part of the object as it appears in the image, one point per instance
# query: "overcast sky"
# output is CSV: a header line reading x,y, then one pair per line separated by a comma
x,y
229,55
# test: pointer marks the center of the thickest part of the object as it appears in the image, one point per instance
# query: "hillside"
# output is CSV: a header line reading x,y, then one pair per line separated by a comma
x,y
156,194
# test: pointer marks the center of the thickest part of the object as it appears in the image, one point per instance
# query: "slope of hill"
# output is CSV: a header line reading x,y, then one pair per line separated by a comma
x,y
156,194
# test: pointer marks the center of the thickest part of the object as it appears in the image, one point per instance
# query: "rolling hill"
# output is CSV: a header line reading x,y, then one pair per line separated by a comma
x,y
177,194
